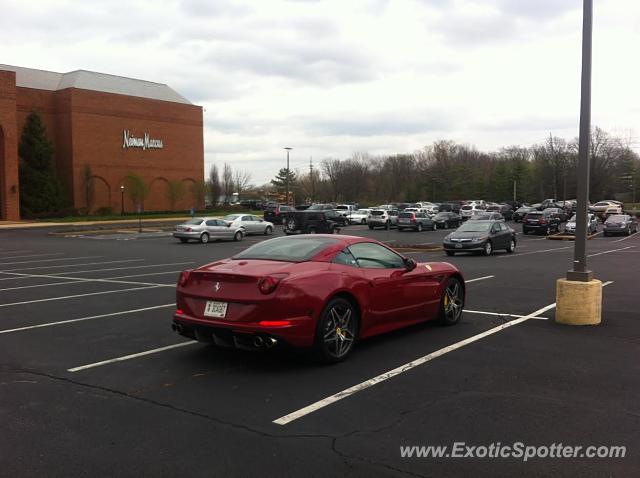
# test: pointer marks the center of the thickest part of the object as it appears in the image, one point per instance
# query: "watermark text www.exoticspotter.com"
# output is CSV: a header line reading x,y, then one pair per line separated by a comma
x,y
517,450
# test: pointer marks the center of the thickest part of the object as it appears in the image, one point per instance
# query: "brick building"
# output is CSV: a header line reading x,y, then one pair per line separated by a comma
x,y
113,125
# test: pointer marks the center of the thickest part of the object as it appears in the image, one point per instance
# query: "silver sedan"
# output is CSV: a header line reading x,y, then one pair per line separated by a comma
x,y
204,229
250,223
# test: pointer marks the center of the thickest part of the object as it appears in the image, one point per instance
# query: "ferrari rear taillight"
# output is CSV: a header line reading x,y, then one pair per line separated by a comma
x,y
184,277
274,323
268,284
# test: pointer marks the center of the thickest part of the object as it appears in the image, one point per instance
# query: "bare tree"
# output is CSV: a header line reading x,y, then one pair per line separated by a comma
x,y
213,184
227,183
241,179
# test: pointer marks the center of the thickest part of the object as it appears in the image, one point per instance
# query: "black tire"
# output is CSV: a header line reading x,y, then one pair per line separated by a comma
x,y
525,232
488,248
268,231
419,227
387,225
204,238
400,229
445,225
605,234
512,246
451,302
238,236
371,227
434,227
628,231
363,222
184,240
547,231
311,230
336,330
450,253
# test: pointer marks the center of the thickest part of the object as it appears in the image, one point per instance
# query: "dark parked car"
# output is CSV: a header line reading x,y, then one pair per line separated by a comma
x,y
505,210
448,207
486,216
480,236
446,220
540,222
620,224
322,207
521,212
275,212
336,216
416,221
558,212
309,222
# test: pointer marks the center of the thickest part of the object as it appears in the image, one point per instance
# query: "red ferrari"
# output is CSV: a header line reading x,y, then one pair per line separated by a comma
x,y
320,291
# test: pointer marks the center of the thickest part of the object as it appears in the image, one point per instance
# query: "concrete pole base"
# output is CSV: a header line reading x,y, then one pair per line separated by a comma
x,y
578,303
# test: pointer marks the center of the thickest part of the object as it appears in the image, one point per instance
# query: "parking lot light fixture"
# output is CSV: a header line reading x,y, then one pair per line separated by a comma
x,y
579,296
580,271
122,200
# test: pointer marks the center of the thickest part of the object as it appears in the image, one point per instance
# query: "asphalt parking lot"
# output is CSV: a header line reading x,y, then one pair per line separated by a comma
x,y
94,382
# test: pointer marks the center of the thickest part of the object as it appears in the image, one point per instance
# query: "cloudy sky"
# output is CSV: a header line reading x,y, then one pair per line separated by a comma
x,y
330,78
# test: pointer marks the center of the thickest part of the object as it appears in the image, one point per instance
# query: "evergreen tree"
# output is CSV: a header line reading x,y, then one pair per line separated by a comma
x,y
280,181
40,189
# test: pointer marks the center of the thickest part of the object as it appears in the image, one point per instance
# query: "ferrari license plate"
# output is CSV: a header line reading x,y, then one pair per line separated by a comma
x,y
215,309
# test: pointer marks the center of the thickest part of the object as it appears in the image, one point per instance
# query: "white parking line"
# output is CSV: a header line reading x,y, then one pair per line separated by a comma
x,y
80,295
49,260
479,278
82,319
611,251
535,252
71,265
103,270
72,280
34,255
403,368
498,314
628,237
20,251
132,356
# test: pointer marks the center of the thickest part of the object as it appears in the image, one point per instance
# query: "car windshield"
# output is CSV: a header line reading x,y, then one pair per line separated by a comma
x,y
475,226
616,218
602,204
194,222
232,217
287,249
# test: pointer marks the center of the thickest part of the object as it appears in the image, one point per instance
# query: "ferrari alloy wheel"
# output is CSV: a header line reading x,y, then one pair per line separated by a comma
x,y
204,238
337,330
452,302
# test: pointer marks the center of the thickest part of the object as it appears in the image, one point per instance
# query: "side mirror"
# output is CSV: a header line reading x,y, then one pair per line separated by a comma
x,y
410,264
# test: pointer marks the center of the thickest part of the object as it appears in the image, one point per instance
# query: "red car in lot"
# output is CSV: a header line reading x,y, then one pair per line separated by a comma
x,y
319,291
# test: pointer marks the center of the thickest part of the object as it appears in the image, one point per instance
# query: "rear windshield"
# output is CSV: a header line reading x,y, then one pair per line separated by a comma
x,y
194,222
493,208
377,213
406,214
287,249
466,208
616,218
475,226
534,214
342,208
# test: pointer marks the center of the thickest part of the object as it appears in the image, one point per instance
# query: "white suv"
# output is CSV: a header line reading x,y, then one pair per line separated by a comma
x,y
386,218
469,210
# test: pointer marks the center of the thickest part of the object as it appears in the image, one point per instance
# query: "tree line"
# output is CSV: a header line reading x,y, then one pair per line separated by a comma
x,y
446,170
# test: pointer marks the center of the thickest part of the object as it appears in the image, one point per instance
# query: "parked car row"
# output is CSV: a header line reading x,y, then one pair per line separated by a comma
x,y
231,227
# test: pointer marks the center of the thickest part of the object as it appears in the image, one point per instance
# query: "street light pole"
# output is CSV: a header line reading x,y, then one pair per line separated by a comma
x,y
580,271
122,200
287,180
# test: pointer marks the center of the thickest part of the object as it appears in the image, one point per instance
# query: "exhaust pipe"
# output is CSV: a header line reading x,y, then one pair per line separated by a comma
x,y
270,342
258,342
